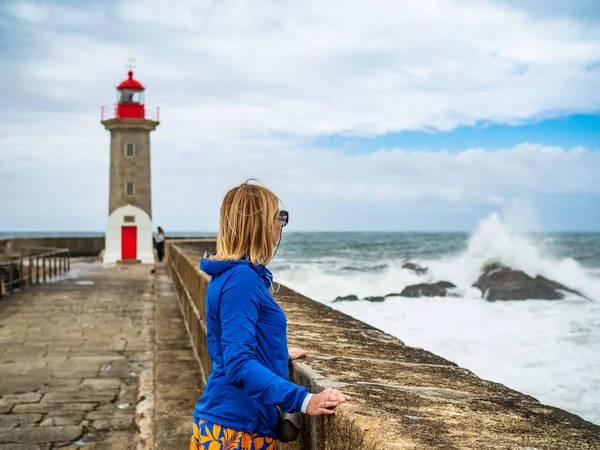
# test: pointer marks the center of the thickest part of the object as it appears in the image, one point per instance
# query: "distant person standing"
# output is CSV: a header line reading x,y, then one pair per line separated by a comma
x,y
159,243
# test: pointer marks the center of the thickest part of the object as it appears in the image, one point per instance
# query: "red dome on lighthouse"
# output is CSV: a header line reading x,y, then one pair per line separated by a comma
x,y
130,83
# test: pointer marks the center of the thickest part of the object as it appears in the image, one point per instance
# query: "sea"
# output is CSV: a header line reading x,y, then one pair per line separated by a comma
x,y
547,349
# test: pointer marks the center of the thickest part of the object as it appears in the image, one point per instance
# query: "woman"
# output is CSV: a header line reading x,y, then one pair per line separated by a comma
x,y
159,242
246,332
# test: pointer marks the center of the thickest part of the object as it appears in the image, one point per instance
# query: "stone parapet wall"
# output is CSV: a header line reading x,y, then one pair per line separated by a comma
x,y
403,397
78,246
190,283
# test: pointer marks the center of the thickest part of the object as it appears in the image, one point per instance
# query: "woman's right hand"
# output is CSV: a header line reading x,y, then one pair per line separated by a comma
x,y
325,402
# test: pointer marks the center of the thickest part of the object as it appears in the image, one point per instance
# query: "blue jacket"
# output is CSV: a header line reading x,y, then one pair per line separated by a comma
x,y
247,342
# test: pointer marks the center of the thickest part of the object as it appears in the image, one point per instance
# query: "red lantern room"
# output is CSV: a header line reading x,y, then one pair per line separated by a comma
x,y
130,102
130,99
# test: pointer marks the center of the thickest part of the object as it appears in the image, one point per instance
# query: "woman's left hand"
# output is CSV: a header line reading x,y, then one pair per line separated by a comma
x,y
296,353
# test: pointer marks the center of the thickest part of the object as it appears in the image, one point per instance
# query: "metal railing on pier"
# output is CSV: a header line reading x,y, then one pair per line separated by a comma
x,y
35,265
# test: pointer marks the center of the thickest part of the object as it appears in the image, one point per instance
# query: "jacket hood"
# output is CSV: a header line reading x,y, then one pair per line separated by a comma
x,y
217,267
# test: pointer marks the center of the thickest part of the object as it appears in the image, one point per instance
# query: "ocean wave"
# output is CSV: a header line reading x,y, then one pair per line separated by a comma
x,y
493,242
547,349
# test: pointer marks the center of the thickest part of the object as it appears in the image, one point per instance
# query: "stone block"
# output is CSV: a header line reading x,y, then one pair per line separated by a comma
x,y
29,397
17,420
35,435
117,440
70,371
13,369
38,446
104,414
100,384
115,423
79,397
47,422
94,360
171,425
54,408
68,419
174,356
5,407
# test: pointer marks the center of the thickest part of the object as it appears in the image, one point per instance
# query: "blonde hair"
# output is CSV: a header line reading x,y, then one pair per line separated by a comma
x,y
246,224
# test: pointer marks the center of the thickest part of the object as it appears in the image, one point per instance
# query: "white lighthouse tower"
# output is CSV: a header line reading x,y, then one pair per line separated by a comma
x,y
129,228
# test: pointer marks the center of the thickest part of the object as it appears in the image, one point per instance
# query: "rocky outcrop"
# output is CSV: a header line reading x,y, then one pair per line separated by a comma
x,y
347,298
439,289
445,284
353,298
414,268
498,282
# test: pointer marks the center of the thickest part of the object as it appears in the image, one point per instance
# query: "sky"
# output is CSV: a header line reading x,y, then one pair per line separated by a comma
x,y
360,115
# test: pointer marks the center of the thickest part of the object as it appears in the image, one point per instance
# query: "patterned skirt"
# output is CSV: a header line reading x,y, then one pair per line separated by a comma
x,y
210,436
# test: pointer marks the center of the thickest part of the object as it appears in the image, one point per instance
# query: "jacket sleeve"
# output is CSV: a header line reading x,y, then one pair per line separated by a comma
x,y
240,304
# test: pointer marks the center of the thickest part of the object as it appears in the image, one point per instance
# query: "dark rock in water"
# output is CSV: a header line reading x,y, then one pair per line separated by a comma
x,y
375,299
444,284
427,289
415,268
353,298
498,282
348,298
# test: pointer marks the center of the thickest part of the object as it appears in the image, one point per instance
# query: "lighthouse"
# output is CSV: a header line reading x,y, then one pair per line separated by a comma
x,y
129,228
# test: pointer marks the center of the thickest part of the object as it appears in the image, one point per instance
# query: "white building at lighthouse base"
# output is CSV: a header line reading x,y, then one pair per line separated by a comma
x,y
129,236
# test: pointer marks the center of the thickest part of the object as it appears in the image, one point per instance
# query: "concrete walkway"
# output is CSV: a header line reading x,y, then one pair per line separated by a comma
x,y
74,355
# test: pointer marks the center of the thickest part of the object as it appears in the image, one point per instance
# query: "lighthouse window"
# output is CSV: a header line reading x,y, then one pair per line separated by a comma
x,y
129,188
129,150
131,96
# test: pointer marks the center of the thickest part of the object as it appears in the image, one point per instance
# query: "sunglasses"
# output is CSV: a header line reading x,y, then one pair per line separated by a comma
x,y
284,218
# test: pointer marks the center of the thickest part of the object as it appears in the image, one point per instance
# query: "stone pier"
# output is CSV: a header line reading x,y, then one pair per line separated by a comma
x,y
115,358
403,397
100,359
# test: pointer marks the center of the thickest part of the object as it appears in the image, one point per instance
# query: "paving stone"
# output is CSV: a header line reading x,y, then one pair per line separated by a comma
x,y
101,415
41,434
47,422
94,360
115,423
35,344
16,420
55,408
17,351
38,446
83,355
29,397
115,440
79,397
68,419
69,371
19,387
100,384
175,356
5,408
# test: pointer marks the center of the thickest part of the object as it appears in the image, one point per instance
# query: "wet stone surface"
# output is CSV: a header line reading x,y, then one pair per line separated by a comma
x,y
406,397
71,354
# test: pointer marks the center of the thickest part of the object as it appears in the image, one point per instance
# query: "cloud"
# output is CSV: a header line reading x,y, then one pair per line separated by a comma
x,y
317,184
317,68
247,87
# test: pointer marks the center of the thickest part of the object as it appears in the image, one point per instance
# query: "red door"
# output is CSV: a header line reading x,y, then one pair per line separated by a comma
x,y
128,242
